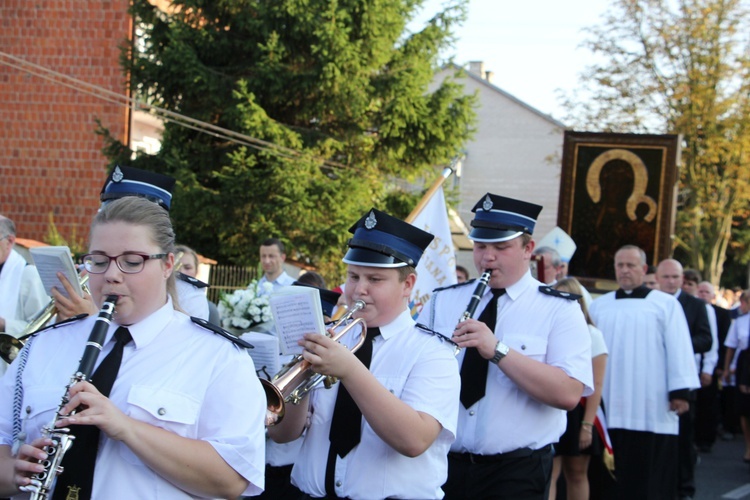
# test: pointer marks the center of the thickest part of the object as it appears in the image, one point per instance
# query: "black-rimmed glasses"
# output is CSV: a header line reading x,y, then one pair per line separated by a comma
x,y
128,263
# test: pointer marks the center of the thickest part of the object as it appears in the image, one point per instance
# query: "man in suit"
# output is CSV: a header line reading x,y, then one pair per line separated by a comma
x,y
708,402
669,275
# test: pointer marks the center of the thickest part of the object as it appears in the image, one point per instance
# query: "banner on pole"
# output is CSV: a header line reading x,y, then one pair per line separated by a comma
x,y
437,267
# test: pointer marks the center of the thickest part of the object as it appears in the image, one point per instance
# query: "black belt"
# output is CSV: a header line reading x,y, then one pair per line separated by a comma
x,y
486,459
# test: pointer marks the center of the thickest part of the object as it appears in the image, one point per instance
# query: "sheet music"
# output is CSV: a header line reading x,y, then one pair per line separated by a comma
x,y
265,355
51,260
296,311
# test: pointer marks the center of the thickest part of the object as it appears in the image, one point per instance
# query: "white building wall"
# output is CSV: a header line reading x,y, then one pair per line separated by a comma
x,y
516,152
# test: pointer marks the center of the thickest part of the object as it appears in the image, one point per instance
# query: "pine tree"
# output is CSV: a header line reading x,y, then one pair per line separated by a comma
x,y
336,97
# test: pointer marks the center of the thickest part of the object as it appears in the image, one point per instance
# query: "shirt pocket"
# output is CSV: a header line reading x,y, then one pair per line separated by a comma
x,y
394,384
534,348
174,411
42,403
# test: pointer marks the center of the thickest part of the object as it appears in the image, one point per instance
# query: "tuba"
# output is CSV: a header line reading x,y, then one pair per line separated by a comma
x,y
296,378
10,345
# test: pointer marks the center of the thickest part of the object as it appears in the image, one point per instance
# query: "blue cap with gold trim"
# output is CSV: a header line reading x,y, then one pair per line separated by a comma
x,y
129,181
381,240
498,218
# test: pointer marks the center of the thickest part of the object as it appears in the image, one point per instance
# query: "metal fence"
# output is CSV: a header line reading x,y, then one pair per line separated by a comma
x,y
226,279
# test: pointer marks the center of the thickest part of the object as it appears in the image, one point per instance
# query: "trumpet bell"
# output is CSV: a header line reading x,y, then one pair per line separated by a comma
x,y
9,347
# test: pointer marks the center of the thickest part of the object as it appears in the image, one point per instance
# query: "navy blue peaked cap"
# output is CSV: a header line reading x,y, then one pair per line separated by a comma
x,y
381,240
498,218
328,298
129,181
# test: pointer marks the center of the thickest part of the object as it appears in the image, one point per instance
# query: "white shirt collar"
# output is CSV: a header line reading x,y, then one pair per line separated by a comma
x,y
148,328
402,322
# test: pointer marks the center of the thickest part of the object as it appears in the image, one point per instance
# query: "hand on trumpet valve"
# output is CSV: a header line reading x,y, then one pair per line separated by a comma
x,y
327,356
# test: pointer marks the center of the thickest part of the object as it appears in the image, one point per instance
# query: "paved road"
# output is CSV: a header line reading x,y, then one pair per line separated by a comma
x,y
721,474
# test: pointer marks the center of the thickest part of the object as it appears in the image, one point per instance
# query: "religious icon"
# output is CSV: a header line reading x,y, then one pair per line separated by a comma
x,y
617,189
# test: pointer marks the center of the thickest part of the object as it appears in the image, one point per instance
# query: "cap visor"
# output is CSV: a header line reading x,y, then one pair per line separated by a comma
x,y
370,258
486,235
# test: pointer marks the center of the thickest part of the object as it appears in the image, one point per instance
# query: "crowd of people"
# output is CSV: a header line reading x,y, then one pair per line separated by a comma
x,y
505,387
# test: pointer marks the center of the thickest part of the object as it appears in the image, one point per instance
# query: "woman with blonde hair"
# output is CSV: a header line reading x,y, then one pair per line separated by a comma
x,y
580,440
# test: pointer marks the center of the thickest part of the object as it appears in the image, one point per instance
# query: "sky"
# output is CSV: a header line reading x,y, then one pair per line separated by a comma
x,y
532,47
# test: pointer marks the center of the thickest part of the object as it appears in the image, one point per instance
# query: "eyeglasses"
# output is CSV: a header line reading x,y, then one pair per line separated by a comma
x,y
128,263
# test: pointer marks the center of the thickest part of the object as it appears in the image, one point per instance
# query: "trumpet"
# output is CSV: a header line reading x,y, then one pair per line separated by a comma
x,y
296,378
10,345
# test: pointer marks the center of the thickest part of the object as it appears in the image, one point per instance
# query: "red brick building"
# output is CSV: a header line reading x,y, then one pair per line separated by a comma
x,y
50,158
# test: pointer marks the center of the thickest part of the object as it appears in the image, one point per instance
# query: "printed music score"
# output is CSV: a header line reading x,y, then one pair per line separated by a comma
x,y
296,311
265,354
51,260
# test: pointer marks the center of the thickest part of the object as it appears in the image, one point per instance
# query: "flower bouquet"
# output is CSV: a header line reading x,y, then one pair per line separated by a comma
x,y
246,307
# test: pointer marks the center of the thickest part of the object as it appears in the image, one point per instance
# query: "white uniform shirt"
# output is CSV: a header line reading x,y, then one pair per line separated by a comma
x,y
283,280
706,362
548,329
650,355
192,299
738,335
422,371
598,346
174,375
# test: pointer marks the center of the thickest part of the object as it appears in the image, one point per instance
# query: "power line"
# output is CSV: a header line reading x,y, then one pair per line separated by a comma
x,y
104,94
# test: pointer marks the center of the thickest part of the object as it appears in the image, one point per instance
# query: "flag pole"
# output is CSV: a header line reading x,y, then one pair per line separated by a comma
x,y
447,171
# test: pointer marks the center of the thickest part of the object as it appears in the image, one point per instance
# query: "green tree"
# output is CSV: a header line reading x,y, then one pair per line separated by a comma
x,y
334,96
680,67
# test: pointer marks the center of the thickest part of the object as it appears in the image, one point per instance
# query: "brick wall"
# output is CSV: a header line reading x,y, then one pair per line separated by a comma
x,y
50,157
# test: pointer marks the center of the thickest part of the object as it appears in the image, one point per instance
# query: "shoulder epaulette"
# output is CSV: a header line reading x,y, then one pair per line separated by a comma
x,y
548,290
454,286
426,329
193,281
64,322
220,331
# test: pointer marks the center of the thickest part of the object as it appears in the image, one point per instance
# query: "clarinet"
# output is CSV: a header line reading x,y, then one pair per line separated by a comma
x,y
477,296
42,482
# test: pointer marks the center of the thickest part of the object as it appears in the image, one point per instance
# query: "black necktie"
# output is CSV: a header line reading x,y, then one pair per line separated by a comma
x,y
346,423
77,478
474,368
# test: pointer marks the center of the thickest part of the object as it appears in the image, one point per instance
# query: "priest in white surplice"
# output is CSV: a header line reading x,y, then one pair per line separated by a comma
x,y
649,375
22,294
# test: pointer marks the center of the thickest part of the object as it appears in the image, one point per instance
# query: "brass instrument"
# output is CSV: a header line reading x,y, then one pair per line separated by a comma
x,y
10,345
42,482
296,378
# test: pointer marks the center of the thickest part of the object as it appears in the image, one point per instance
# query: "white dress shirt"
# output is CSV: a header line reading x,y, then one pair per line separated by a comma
x,y
175,375
283,280
421,371
548,329
706,362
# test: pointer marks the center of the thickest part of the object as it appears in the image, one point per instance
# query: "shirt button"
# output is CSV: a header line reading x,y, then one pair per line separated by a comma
x,y
338,483
471,413
162,411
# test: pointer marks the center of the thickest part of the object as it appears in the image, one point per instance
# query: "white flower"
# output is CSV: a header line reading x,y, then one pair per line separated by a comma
x,y
245,308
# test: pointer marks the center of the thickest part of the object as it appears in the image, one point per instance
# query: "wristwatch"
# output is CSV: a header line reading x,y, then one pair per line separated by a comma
x,y
501,350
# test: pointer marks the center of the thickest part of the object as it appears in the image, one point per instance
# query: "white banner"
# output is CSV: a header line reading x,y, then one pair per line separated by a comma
x,y
437,267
